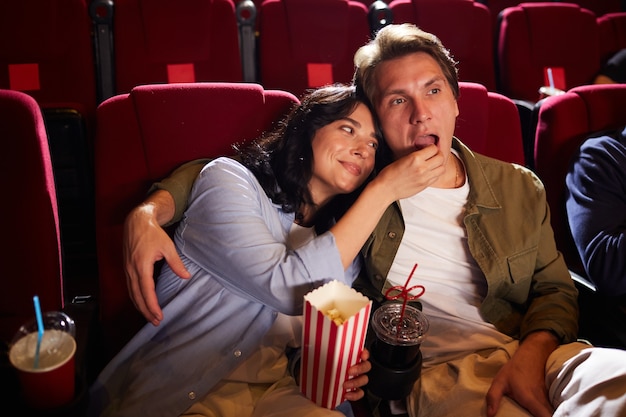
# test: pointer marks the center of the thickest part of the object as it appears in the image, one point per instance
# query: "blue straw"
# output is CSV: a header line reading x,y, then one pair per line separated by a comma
x,y
39,329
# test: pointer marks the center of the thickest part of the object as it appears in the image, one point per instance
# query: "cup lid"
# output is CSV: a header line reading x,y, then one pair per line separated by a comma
x,y
388,327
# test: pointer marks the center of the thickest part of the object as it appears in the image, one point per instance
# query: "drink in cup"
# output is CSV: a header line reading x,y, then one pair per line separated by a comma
x,y
48,379
398,338
395,352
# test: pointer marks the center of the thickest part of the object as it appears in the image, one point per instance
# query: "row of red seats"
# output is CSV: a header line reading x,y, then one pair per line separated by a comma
x,y
46,51
135,131
72,54
132,127
564,122
58,51
155,128
534,40
76,53
599,8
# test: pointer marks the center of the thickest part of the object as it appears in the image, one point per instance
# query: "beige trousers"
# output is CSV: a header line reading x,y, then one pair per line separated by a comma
x,y
582,381
240,399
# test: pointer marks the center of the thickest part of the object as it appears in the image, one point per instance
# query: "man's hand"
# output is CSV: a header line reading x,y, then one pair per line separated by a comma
x,y
522,378
145,243
358,372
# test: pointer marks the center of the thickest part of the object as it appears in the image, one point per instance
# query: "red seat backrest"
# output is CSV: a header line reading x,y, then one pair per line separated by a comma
x,y
564,122
142,136
47,53
463,26
161,41
31,259
496,6
612,28
489,123
309,43
533,36
600,7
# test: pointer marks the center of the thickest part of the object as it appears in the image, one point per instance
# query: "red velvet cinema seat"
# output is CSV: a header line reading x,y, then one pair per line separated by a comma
x,y
489,123
163,41
142,136
31,256
601,7
612,28
536,36
536,40
463,26
309,43
46,52
496,6
564,122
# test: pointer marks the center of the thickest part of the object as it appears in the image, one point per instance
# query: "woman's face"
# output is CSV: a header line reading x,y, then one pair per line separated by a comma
x,y
343,155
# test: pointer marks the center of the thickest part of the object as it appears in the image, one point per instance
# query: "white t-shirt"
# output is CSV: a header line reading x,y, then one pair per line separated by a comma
x,y
436,239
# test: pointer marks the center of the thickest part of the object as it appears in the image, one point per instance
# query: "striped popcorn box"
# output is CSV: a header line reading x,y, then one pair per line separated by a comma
x,y
335,323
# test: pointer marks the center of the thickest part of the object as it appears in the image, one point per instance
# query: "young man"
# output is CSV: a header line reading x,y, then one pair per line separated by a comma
x,y
502,307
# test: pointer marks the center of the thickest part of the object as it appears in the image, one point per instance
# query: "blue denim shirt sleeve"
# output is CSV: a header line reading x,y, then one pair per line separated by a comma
x,y
232,241
235,233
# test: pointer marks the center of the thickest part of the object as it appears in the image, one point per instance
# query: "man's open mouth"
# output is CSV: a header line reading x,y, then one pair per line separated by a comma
x,y
423,141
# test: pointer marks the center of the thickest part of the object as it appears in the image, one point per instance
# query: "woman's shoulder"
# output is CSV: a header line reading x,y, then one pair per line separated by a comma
x,y
225,166
225,163
225,172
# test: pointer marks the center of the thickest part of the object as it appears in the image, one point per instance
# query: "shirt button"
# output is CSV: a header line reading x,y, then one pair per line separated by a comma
x,y
191,395
391,235
378,277
237,353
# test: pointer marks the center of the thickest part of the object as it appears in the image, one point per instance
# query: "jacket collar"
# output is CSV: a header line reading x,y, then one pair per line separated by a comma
x,y
481,192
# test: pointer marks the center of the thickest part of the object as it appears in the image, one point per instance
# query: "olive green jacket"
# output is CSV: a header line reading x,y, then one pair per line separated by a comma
x,y
509,235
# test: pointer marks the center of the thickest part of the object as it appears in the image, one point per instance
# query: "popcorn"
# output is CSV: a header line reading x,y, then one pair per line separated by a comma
x,y
335,316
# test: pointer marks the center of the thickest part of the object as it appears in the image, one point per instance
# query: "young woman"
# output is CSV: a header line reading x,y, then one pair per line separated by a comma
x,y
260,231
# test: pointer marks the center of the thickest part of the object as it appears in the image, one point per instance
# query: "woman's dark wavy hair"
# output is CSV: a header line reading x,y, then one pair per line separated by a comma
x,y
282,159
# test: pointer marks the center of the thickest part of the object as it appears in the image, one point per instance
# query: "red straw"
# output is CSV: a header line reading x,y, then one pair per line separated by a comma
x,y
403,292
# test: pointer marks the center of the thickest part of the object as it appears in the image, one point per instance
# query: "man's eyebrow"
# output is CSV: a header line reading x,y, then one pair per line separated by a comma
x,y
434,80
430,82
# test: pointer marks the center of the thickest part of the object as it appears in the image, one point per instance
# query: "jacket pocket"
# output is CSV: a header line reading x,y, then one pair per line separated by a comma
x,y
521,270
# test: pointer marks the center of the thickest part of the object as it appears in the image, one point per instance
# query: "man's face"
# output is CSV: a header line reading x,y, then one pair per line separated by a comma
x,y
415,104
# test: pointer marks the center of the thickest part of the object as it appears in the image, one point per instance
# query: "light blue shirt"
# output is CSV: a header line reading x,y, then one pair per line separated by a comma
x,y
232,240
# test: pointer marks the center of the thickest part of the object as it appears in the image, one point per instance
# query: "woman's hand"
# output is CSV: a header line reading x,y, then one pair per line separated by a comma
x,y
412,173
358,374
